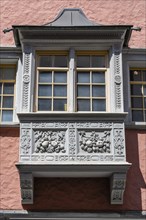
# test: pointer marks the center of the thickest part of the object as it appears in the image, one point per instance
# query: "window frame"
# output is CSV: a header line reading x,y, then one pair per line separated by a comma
x,y
142,83
3,81
72,76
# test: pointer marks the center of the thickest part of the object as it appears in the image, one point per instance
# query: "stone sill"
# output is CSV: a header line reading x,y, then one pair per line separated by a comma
x,y
136,125
10,125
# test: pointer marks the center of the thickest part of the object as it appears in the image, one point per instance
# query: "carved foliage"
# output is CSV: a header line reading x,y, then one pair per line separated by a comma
x,y
49,141
118,141
25,141
95,142
26,181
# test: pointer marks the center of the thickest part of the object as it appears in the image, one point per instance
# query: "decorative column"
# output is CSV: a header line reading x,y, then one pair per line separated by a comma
x,y
118,78
27,55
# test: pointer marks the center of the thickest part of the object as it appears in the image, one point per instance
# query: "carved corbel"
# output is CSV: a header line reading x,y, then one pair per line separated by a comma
x,y
26,182
118,182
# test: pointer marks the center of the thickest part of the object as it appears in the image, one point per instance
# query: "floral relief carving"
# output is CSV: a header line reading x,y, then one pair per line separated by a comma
x,y
49,141
119,142
95,142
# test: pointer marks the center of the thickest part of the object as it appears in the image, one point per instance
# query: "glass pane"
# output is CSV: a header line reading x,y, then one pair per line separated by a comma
x,y
83,61
136,90
60,61
144,89
60,104
7,102
45,77
60,77
8,88
9,73
46,61
7,115
83,91
145,102
1,73
98,77
83,105
0,101
135,75
83,77
45,90
44,104
98,91
144,75
137,115
99,105
98,61
0,88
60,91
136,102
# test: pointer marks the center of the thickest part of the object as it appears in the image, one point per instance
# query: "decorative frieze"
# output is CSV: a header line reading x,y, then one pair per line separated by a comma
x,y
25,141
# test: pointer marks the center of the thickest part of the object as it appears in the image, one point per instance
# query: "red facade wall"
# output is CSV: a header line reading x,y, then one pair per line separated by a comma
x,y
72,194
110,12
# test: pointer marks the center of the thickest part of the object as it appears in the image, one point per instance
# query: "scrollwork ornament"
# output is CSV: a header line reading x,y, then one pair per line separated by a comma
x,y
26,78
118,79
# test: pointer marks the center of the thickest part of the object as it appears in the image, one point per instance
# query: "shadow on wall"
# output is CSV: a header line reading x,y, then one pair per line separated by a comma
x,y
136,149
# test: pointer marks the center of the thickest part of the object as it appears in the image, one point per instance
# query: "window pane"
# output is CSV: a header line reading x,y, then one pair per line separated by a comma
x,y
83,61
60,77
98,91
60,91
99,105
9,73
83,91
60,61
145,102
44,104
98,77
7,115
135,75
1,73
98,61
45,90
83,105
0,88
8,88
144,90
137,102
46,61
136,90
45,77
60,104
137,115
83,77
144,75
7,102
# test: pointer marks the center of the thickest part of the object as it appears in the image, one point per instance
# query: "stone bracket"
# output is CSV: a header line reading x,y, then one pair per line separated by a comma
x,y
26,183
117,184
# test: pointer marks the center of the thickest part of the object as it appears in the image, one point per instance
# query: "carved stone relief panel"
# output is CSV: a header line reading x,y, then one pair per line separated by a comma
x,y
49,141
94,141
55,142
26,182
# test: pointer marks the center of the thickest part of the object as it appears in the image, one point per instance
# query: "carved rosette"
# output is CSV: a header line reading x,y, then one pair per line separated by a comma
x,y
49,141
95,142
